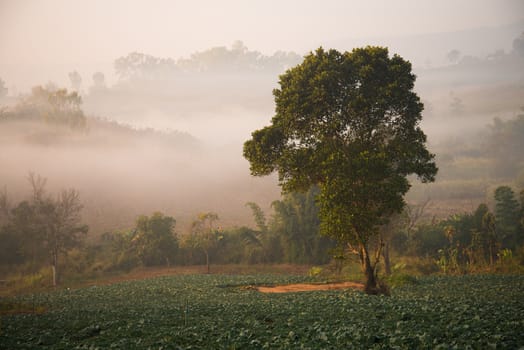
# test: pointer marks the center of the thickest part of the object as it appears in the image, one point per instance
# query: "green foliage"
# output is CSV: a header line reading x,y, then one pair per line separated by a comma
x,y
427,239
152,242
296,222
258,216
219,312
11,247
55,107
44,228
23,282
398,279
468,242
115,251
505,256
507,211
349,123
204,235
315,271
155,240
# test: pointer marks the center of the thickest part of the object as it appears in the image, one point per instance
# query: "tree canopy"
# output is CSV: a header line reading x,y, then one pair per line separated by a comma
x,y
349,123
507,211
155,239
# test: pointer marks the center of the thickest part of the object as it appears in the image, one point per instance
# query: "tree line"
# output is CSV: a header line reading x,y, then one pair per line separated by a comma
x,y
290,235
476,241
46,230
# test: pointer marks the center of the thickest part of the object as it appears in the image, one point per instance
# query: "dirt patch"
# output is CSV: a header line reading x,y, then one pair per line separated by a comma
x,y
306,287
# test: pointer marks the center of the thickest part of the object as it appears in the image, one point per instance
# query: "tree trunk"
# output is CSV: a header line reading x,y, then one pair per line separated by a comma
x,y
491,254
55,267
207,261
387,262
370,287
33,259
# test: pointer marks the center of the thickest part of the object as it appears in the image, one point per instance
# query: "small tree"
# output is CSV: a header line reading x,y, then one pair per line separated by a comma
x,y
507,212
55,107
296,221
206,236
57,220
518,44
480,236
5,207
258,216
254,240
76,80
155,240
27,226
99,82
3,89
395,224
348,123
453,56
490,232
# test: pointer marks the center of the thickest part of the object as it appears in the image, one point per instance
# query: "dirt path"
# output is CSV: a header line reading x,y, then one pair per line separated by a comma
x,y
305,287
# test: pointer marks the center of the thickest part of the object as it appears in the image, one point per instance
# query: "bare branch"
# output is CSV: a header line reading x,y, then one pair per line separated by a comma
x,y
414,214
38,184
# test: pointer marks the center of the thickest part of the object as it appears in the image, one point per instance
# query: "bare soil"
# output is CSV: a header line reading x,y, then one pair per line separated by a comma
x,y
306,287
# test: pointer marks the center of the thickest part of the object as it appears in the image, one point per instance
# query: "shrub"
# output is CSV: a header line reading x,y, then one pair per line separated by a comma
x,y
401,279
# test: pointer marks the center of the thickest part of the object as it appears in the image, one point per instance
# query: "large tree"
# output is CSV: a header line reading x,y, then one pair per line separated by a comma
x,y
348,123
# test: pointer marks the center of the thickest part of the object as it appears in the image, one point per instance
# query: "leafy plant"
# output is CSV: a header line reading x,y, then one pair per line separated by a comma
x,y
227,312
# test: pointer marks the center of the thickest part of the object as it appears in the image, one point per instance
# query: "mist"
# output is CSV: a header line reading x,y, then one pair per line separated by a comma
x,y
122,173
166,117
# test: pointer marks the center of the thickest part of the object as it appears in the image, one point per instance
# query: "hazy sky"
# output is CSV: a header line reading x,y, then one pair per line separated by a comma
x,y
41,41
69,31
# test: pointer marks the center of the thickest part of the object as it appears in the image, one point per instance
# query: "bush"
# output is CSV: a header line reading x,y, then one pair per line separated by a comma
x,y
401,279
124,262
22,283
315,271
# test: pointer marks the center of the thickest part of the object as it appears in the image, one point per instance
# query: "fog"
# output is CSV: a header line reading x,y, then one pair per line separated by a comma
x,y
170,94
122,173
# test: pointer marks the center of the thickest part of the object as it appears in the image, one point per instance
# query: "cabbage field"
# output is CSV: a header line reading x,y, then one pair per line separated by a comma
x,y
227,312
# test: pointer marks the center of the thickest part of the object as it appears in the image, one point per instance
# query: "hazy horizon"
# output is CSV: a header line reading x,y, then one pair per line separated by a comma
x,y
40,41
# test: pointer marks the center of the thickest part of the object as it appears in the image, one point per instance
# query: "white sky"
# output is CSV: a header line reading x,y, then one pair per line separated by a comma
x,y
72,31
43,40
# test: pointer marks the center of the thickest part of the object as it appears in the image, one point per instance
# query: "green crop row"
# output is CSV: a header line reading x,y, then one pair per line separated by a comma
x,y
224,312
